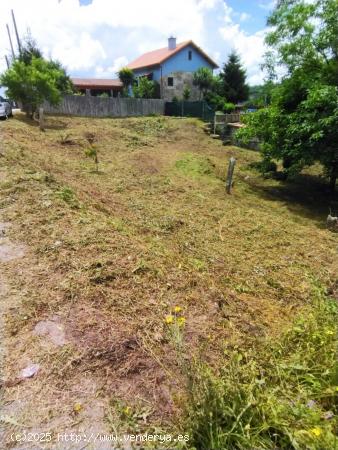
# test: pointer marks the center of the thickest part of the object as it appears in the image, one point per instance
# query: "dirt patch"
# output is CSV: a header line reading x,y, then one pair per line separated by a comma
x,y
3,227
53,331
147,163
10,251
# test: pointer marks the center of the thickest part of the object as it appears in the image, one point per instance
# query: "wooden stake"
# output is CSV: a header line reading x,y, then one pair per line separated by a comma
x,y
228,184
41,119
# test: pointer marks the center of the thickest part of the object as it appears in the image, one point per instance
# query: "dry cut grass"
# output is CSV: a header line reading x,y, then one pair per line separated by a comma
x,y
110,253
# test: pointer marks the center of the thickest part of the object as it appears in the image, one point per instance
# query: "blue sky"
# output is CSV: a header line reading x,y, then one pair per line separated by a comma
x,y
256,10
95,38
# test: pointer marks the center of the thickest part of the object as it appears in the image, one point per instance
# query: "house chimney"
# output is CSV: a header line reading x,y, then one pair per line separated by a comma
x,y
172,43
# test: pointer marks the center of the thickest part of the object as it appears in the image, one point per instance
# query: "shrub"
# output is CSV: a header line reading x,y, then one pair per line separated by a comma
x,y
144,89
219,103
228,107
186,93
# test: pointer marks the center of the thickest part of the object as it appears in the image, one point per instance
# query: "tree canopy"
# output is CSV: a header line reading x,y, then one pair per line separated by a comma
x,y
31,79
29,49
300,126
203,79
233,77
126,76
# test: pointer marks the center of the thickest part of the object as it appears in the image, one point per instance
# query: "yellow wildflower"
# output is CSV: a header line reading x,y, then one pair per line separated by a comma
x,y
169,320
127,410
177,309
181,321
77,407
316,431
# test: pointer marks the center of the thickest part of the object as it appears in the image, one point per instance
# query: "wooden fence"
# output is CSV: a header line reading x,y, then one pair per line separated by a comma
x,y
87,106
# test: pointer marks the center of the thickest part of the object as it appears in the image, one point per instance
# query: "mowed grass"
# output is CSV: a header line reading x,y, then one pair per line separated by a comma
x,y
112,252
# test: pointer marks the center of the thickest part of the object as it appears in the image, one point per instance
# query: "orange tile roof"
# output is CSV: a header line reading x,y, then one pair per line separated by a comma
x,y
96,83
157,57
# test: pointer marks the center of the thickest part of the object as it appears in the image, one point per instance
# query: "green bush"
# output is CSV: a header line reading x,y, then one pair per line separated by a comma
x,y
228,107
219,103
145,88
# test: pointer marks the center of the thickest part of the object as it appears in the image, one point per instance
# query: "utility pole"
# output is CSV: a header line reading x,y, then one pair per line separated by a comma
x,y
7,62
16,32
10,40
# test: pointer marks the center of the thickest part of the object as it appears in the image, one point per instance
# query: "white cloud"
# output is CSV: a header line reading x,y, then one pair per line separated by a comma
x,y
244,16
119,62
90,40
111,72
207,4
250,47
69,31
267,5
83,55
228,12
216,56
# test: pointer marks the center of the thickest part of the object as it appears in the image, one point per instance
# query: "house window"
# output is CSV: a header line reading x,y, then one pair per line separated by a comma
x,y
190,55
170,81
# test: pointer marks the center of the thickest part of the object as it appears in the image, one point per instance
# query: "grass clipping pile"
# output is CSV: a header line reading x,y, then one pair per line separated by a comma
x,y
142,265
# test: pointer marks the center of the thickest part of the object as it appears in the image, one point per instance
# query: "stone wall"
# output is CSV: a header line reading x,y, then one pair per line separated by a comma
x,y
181,80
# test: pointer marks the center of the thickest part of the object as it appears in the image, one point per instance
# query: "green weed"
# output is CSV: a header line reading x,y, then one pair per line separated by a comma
x,y
280,396
92,152
195,166
67,195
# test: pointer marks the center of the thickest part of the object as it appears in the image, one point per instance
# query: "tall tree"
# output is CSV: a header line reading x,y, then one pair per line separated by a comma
x,y
203,79
29,48
301,125
233,78
31,79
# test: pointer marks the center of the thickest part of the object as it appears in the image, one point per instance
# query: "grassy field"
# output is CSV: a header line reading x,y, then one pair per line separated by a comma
x,y
184,309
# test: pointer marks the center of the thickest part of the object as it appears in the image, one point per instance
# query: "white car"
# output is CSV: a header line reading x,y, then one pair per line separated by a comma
x,y
5,109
